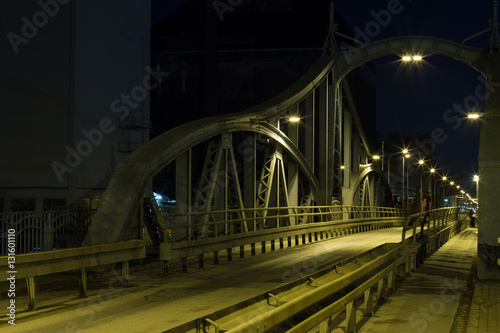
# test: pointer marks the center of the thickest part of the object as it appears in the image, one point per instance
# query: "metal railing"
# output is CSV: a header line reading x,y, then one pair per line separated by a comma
x,y
431,221
180,226
45,230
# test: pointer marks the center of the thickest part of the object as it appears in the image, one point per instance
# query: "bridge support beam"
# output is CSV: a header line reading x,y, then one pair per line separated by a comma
x,y
489,172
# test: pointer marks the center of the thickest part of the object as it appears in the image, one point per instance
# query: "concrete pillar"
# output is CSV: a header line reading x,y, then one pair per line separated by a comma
x,y
489,177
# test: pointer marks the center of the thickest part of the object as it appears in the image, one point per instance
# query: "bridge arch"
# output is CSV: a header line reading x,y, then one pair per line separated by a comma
x,y
132,174
474,57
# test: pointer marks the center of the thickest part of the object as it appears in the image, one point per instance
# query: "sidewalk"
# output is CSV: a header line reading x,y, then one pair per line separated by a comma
x,y
428,300
485,309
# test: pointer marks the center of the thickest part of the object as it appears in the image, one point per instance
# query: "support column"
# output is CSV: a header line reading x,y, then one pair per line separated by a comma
x,y
325,140
489,177
293,171
182,193
250,176
309,131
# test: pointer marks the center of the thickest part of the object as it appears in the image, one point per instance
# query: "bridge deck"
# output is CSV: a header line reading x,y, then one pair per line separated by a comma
x,y
154,304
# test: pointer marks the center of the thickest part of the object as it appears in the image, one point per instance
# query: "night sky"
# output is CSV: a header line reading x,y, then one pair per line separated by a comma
x,y
414,100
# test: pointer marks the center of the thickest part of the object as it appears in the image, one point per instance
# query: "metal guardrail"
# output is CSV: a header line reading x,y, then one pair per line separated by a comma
x,y
432,221
31,265
343,220
45,230
181,226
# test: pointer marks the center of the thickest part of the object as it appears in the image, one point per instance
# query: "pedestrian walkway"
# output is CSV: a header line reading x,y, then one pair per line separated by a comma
x,y
428,300
485,309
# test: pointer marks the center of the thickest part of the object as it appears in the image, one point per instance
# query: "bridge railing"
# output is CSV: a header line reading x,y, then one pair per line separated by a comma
x,y
44,230
218,223
427,223
183,240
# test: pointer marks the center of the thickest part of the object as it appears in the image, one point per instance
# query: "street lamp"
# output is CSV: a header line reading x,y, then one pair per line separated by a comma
x,y
476,179
406,155
421,191
404,151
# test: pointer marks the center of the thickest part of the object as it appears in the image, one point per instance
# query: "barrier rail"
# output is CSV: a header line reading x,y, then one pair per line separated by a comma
x,y
45,230
180,226
341,218
431,221
31,265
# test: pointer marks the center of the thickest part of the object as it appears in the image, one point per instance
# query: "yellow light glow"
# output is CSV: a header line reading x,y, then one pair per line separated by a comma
x,y
407,155
452,183
444,178
405,151
421,162
476,178
406,58
433,170
473,116
294,119
417,57
376,157
342,167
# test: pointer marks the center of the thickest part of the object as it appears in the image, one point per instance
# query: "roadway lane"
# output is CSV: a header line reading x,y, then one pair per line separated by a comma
x,y
154,304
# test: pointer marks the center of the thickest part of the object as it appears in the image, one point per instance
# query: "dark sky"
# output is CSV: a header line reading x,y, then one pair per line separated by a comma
x,y
414,100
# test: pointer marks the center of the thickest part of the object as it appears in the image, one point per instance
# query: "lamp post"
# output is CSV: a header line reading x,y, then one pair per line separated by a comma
x,y
476,179
421,191
404,151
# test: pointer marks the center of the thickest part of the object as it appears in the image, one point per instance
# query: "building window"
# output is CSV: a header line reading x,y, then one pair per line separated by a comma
x,y
54,204
22,205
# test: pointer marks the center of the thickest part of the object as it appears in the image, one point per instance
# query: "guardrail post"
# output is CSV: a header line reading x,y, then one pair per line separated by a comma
x,y
303,239
184,265
390,280
83,283
252,249
263,247
289,239
368,302
230,254
326,326
281,244
273,247
30,284
125,273
380,289
200,261
242,251
216,257
351,317
165,268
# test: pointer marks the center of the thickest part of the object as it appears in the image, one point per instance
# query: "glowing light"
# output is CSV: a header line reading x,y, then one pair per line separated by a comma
x,y
406,58
157,196
407,155
376,157
405,151
417,57
444,178
342,167
452,183
294,119
433,170
421,162
473,116
476,178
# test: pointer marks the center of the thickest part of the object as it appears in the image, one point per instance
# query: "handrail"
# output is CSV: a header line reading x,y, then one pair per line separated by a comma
x,y
242,220
437,217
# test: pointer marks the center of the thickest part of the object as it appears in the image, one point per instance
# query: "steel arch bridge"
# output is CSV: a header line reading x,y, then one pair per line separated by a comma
x,y
281,163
